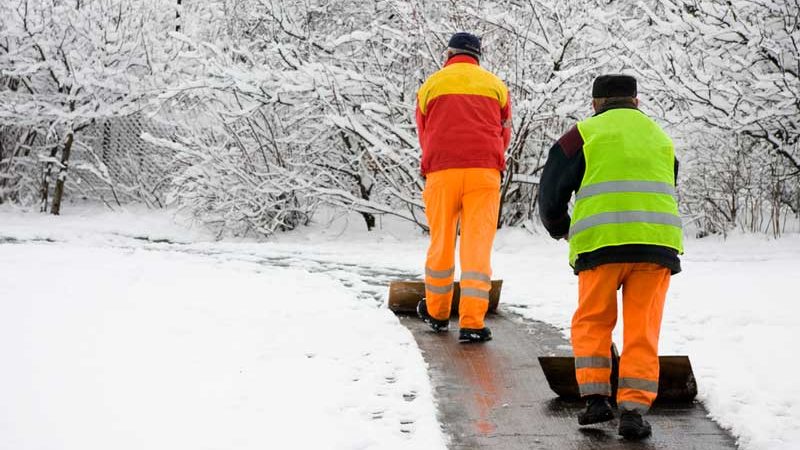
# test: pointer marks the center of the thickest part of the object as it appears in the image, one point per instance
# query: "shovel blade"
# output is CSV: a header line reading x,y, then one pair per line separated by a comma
x,y
676,382
404,296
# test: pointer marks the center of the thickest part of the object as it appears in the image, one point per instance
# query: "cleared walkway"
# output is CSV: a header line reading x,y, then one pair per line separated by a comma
x,y
495,396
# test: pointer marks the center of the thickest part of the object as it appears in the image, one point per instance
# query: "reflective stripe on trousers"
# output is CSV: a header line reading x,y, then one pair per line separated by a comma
x,y
439,281
592,368
601,362
439,289
446,274
476,284
598,388
640,384
593,374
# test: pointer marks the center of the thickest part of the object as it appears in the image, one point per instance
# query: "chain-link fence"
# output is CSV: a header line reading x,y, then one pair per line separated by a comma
x,y
110,163
115,165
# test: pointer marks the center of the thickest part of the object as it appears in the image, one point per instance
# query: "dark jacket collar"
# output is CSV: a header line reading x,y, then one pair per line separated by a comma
x,y
615,105
461,58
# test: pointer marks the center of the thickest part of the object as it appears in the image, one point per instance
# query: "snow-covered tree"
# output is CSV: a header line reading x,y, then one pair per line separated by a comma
x,y
725,75
274,107
330,87
64,65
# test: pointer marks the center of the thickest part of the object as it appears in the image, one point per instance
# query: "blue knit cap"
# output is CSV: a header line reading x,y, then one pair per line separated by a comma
x,y
467,42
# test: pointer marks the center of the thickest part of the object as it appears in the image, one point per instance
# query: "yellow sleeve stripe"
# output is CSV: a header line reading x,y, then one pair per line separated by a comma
x,y
465,79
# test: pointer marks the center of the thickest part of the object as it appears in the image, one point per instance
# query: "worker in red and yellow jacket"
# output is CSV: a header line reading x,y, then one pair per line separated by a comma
x,y
464,126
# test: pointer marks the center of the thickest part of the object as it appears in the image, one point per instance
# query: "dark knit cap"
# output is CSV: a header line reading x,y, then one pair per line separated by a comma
x,y
467,42
614,86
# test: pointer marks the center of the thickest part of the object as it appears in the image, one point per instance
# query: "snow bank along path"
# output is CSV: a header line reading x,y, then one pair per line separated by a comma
x,y
133,349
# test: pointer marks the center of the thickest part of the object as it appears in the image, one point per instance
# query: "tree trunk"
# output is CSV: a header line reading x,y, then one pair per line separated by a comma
x,y
369,218
178,17
45,190
58,193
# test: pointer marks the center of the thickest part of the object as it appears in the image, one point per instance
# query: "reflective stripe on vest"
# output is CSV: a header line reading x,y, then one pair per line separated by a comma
x,y
624,217
625,186
627,195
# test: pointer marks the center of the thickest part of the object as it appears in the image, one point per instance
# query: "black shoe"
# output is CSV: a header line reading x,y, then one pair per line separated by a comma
x,y
633,426
597,410
473,335
435,324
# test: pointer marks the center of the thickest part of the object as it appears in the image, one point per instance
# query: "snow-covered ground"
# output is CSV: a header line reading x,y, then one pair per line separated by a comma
x,y
108,345
112,338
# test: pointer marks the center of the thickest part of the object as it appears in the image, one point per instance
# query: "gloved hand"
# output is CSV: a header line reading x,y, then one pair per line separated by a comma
x,y
560,229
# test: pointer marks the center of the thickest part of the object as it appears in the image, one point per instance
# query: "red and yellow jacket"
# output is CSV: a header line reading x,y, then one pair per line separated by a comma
x,y
463,117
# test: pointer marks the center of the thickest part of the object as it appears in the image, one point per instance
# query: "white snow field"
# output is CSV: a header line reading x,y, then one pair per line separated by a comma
x,y
124,348
109,340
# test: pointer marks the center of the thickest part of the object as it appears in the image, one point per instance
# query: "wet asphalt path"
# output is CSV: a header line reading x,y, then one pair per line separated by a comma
x,y
494,396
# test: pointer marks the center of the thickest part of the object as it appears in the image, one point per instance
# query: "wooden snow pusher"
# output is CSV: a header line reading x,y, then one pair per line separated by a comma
x,y
676,382
404,296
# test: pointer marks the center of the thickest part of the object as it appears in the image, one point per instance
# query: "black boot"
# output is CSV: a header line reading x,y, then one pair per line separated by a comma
x,y
435,324
633,426
475,335
597,410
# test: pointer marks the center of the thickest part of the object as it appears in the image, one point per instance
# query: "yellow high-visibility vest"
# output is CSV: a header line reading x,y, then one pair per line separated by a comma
x,y
627,195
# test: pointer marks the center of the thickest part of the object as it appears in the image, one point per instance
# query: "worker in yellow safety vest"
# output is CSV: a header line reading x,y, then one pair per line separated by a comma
x,y
624,232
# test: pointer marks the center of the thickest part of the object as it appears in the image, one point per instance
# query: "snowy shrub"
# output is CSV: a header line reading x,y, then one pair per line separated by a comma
x,y
725,77
228,193
63,67
251,114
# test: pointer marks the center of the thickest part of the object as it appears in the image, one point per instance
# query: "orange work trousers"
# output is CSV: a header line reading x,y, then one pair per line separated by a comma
x,y
644,288
473,196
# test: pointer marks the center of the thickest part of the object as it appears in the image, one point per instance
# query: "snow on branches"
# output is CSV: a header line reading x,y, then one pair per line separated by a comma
x,y
275,107
64,66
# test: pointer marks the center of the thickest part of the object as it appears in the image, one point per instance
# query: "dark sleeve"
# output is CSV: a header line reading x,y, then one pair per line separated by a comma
x,y
561,176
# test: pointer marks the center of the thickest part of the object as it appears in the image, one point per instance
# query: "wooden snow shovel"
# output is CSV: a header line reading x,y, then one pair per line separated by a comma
x,y
676,382
404,296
